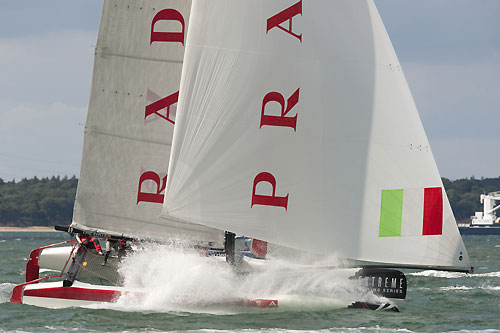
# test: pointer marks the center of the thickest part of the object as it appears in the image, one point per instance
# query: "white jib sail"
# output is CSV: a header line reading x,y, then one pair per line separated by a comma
x,y
296,126
131,117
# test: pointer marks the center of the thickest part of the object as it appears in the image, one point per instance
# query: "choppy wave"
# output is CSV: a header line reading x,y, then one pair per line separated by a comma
x,y
491,274
66,329
454,275
487,330
337,329
456,288
439,274
470,288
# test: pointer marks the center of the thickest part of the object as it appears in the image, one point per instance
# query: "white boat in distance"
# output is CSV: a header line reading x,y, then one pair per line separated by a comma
x,y
294,125
485,222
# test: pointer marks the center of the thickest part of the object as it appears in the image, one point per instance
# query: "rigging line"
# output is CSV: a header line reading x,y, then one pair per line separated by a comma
x,y
90,131
137,57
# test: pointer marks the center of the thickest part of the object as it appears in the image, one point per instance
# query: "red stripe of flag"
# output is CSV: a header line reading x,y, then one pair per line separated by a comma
x,y
433,211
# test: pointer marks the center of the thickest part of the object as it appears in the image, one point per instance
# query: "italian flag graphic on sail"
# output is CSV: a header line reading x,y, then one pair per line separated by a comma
x,y
411,212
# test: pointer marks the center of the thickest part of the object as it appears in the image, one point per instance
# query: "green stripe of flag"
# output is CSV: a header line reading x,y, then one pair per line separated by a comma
x,y
391,213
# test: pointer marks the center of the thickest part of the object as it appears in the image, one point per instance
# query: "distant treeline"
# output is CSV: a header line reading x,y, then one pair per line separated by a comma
x,y
49,201
46,201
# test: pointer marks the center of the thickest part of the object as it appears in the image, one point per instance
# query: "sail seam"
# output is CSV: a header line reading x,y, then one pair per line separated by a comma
x,y
89,131
137,57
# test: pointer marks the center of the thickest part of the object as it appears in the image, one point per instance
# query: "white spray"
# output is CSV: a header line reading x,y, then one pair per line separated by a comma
x,y
175,278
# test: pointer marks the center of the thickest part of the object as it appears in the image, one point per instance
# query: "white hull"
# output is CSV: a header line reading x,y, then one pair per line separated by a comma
x,y
55,303
54,295
54,258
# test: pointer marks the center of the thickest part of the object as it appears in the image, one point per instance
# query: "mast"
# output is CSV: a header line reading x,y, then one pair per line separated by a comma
x,y
229,242
296,126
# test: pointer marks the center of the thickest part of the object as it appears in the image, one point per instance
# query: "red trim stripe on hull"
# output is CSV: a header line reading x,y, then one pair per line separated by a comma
x,y
82,294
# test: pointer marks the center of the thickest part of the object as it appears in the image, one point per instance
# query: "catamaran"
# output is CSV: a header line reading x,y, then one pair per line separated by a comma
x,y
294,125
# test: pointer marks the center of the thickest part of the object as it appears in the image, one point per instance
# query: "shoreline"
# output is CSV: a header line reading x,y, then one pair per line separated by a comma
x,y
28,229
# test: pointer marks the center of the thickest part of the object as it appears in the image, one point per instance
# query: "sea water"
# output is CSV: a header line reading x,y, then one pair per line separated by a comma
x,y
192,299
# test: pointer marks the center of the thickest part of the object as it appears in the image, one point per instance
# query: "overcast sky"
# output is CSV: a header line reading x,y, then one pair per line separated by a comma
x,y
449,51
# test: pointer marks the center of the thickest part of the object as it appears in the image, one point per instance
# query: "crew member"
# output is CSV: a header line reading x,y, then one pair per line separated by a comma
x,y
91,243
120,245
87,243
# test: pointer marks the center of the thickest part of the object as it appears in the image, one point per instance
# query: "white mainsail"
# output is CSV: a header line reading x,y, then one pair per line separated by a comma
x,y
128,132
296,126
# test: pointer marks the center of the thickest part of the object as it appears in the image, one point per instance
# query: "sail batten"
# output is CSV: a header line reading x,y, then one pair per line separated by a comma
x,y
293,123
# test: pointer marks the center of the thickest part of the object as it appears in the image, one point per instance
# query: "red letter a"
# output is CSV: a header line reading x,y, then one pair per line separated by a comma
x,y
164,36
286,15
161,104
